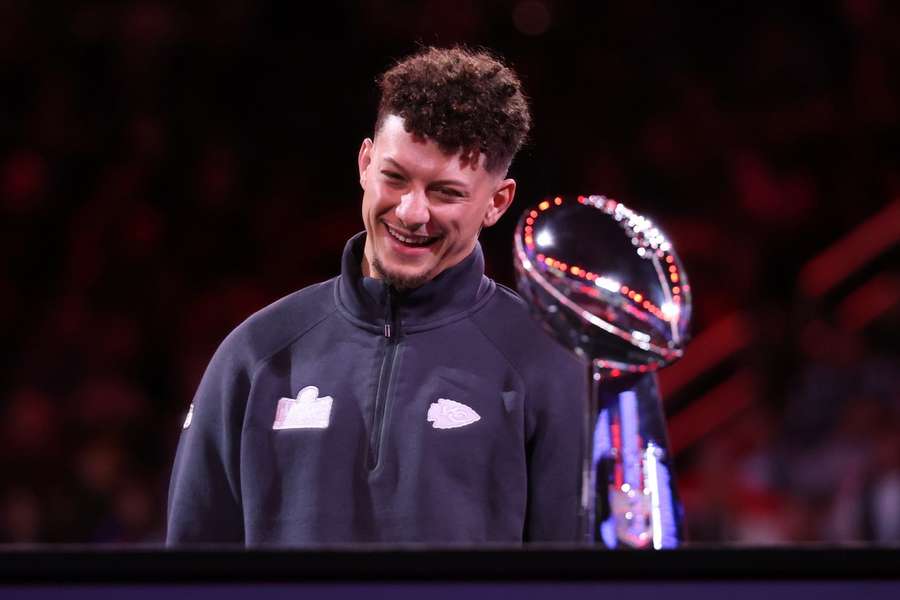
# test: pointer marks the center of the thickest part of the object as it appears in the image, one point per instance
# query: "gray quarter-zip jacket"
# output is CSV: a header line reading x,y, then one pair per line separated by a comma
x,y
346,412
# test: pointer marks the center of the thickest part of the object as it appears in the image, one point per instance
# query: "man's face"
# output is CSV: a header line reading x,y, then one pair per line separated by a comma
x,y
422,208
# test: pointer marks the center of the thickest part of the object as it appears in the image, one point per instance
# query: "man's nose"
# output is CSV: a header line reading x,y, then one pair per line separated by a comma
x,y
413,209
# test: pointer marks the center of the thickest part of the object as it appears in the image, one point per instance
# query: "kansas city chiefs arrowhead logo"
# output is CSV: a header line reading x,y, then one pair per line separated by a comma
x,y
447,414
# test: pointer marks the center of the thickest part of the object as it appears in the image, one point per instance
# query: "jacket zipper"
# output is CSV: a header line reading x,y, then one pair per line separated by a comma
x,y
384,381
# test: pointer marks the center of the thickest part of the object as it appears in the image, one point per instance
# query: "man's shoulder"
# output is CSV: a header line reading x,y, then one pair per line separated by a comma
x,y
507,320
277,325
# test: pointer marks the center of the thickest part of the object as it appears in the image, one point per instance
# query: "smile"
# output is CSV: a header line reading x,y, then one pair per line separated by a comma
x,y
412,240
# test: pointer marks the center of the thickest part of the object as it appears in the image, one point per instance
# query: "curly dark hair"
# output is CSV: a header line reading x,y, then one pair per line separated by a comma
x,y
465,100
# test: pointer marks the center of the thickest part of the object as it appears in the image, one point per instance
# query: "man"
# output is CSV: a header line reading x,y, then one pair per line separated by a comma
x,y
410,399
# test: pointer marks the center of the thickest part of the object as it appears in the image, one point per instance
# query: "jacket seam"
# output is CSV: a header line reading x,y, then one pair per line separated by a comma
x,y
259,364
512,366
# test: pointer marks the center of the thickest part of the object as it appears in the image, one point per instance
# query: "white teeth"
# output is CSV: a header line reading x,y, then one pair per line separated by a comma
x,y
417,241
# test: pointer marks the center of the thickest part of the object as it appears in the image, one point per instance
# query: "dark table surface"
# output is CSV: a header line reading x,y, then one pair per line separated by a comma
x,y
149,564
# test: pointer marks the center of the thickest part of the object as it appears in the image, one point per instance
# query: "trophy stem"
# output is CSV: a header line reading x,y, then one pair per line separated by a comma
x,y
629,494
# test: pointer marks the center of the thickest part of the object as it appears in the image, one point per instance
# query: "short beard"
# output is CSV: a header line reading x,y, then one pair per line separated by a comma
x,y
399,282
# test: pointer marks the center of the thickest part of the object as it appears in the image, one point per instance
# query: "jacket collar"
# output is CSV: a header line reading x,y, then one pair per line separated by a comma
x,y
454,293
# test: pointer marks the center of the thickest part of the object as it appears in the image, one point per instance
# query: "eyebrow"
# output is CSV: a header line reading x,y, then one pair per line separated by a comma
x,y
399,167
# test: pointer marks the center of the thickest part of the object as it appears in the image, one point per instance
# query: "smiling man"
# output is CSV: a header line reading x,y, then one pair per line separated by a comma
x,y
409,399
423,208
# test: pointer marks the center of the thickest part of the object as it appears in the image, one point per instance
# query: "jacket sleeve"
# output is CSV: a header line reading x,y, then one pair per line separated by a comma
x,y
555,409
204,492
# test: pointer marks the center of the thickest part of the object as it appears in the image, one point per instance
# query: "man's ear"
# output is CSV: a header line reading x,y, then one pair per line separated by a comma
x,y
500,201
364,159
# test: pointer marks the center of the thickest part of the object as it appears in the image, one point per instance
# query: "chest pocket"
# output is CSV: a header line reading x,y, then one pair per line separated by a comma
x,y
458,402
470,428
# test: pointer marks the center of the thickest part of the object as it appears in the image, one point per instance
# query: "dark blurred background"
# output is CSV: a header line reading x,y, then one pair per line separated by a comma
x,y
167,168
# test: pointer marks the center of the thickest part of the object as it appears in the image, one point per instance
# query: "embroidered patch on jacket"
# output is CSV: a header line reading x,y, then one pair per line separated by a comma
x,y
190,415
307,411
448,414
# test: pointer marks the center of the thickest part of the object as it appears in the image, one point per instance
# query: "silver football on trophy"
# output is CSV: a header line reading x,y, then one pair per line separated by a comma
x,y
605,280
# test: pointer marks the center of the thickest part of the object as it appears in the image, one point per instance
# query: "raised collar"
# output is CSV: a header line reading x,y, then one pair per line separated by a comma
x,y
451,295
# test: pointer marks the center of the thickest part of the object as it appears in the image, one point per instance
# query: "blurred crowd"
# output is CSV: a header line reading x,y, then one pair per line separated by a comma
x,y
167,170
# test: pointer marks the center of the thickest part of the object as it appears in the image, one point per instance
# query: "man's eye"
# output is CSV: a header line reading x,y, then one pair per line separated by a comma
x,y
392,176
450,192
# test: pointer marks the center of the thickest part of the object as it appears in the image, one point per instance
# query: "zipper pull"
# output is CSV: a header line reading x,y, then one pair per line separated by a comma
x,y
388,313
